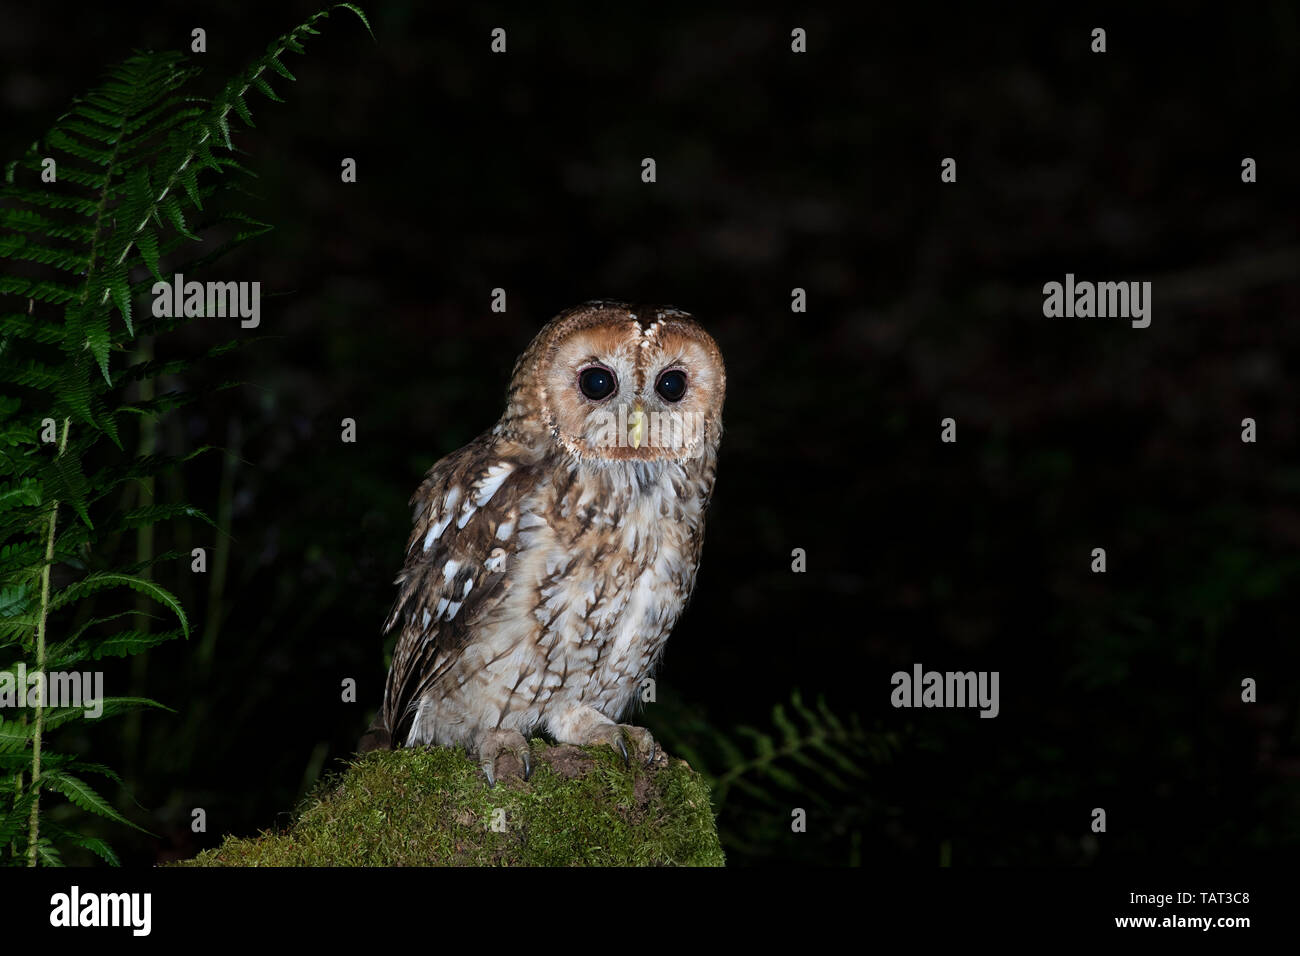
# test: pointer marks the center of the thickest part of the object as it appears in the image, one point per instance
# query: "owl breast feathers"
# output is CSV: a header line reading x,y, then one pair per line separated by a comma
x,y
551,556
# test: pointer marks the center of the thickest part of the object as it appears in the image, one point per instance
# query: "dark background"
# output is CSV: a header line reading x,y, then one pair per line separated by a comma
x,y
775,170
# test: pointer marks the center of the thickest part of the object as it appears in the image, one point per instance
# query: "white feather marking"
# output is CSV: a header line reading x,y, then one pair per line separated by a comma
x,y
492,481
413,737
437,528
449,569
469,586
452,608
504,530
442,606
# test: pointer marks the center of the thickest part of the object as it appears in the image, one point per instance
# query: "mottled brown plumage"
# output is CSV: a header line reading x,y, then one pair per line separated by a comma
x,y
551,557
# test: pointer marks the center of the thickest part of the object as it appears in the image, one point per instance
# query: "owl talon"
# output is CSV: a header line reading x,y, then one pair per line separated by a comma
x,y
642,740
619,736
494,745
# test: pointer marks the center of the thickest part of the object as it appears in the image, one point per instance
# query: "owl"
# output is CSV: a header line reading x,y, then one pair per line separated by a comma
x,y
552,555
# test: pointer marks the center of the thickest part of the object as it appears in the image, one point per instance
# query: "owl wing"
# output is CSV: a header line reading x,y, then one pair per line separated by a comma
x,y
462,544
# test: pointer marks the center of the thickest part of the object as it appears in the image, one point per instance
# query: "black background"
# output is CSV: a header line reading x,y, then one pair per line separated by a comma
x,y
775,171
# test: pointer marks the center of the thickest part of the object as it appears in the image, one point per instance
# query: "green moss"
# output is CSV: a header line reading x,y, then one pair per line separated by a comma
x,y
433,807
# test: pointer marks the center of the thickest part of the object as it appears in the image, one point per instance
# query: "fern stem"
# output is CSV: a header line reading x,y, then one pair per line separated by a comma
x,y
144,552
18,792
723,783
221,554
34,823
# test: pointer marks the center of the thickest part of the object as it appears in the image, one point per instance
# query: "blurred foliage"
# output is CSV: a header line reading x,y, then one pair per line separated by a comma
x,y
801,792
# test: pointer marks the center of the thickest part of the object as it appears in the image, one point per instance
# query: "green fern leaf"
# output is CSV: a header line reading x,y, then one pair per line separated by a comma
x,y
172,207
17,325
61,834
108,579
790,734
66,484
26,491
41,290
96,846
84,796
14,736
265,88
128,643
13,821
31,222
49,856
121,292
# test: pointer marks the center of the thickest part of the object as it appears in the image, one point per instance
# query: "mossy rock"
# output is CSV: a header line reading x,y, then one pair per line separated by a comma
x,y
582,807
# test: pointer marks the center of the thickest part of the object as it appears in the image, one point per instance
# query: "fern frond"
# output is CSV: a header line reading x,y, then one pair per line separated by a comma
x,y
110,579
13,820
137,163
61,834
84,796
831,754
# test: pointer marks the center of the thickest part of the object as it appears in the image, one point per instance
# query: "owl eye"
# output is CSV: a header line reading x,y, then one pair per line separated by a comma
x,y
671,385
597,383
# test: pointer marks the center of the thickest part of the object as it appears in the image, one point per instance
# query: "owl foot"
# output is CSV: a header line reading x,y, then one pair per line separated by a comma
x,y
498,750
619,736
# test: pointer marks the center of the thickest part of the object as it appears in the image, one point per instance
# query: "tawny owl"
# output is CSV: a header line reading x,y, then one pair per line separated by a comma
x,y
552,555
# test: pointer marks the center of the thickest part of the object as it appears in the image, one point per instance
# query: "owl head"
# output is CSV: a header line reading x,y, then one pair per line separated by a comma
x,y
615,382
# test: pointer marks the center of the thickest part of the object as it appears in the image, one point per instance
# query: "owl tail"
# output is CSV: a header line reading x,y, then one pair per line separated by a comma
x,y
376,738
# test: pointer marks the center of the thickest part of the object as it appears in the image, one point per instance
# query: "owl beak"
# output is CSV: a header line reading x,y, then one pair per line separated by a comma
x,y
636,426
